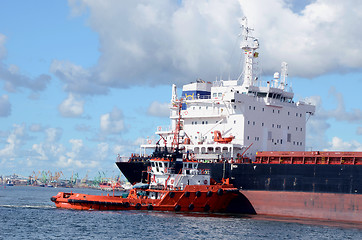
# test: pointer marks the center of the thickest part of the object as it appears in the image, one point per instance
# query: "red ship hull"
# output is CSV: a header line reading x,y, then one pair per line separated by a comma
x,y
324,206
205,198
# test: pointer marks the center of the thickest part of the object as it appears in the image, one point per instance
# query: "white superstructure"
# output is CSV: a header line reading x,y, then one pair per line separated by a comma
x,y
256,117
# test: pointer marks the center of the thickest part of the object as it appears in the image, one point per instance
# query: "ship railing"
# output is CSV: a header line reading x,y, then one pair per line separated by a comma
x,y
123,159
166,170
135,158
310,158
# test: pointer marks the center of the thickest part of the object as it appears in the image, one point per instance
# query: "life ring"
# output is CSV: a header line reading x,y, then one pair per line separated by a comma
x,y
172,181
185,112
205,182
149,141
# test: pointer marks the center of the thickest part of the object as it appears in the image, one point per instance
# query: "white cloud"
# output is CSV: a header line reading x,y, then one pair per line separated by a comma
x,y
40,150
5,106
102,151
36,127
318,125
12,77
158,42
337,144
159,109
311,40
77,79
112,123
53,134
339,113
71,106
13,142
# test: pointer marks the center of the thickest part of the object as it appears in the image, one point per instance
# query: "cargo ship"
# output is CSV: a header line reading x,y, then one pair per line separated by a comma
x,y
254,133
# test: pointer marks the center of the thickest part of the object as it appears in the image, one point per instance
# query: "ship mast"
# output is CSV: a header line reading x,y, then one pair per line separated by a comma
x,y
176,134
249,48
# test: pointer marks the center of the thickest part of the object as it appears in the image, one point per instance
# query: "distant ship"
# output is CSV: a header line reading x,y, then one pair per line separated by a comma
x,y
254,134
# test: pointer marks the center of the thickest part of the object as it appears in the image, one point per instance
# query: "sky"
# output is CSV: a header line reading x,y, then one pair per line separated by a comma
x,y
84,80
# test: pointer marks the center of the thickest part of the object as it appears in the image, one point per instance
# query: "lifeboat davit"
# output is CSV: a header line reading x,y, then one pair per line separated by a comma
x,y
219,139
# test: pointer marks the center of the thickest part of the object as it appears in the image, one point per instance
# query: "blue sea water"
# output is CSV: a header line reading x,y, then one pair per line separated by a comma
x,y
28,213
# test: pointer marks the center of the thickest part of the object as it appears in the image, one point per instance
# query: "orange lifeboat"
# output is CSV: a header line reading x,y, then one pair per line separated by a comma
x,y
219,139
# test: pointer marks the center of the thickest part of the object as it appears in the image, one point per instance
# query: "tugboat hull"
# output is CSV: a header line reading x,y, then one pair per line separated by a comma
x,y
211,198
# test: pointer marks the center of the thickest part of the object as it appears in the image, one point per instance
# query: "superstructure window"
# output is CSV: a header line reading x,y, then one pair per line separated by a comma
x,y
214,95
219,94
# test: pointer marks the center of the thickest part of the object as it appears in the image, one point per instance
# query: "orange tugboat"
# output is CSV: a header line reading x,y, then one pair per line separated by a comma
x,y
175,184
